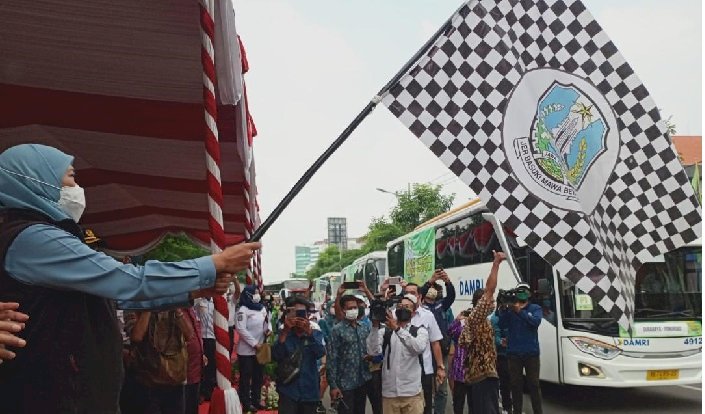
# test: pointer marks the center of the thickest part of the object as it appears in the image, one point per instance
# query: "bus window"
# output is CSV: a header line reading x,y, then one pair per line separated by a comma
x,y
476,240
446,244
395,259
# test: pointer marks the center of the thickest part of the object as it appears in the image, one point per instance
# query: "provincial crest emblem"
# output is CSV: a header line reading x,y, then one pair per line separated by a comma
x,y
562,141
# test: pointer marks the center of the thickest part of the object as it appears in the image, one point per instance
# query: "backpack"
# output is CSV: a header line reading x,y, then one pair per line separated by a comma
x,y
387,340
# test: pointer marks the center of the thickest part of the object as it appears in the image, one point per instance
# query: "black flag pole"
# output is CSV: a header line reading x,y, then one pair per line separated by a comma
x,y
259,232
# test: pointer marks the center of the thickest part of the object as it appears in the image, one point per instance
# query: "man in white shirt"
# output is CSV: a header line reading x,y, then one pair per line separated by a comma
x,y
424,318
401,344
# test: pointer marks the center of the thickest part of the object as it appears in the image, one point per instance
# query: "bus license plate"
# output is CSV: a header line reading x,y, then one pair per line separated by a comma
x,y
662,374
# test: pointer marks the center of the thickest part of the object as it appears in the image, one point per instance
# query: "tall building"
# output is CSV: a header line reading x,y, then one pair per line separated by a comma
x,y
306,257
338,232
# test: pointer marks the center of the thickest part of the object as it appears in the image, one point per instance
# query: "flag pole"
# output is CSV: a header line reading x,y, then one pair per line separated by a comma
x,y
259,232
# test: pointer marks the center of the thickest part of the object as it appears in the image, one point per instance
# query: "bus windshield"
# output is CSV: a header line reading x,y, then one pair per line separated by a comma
x,y
670,289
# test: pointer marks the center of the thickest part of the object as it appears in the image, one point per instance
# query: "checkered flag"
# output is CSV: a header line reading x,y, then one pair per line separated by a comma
x,y
532,106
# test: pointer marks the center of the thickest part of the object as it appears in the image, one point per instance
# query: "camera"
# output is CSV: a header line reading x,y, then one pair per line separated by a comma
x,y
379,307
507,297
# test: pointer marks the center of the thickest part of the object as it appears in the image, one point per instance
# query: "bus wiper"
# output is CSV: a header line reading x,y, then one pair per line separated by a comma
x,y
688,312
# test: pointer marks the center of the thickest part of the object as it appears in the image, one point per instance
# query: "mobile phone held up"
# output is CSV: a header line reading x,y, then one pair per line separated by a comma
x,y
350,285
301,313
395,280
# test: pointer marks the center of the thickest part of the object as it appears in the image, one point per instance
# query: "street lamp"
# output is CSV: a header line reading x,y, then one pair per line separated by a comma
x,y
382,190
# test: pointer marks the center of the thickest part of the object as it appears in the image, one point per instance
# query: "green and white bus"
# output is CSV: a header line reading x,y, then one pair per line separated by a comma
x,y
372,268
580,343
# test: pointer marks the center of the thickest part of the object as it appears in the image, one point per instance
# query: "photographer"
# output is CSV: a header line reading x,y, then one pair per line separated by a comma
x,y
439,305
521,320
299,394
478,337
348,370
424,318
400,344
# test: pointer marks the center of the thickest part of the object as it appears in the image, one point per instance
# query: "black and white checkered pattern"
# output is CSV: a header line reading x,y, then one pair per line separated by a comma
x,y
453,99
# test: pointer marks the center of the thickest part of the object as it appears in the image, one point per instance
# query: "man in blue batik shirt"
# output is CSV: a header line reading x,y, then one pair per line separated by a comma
x,y
348,371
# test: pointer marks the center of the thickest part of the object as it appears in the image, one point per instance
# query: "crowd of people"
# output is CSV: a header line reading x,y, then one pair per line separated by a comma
x,y
66,347
409,360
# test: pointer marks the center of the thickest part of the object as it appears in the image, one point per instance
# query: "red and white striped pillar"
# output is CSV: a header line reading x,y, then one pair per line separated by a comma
x,y
224,399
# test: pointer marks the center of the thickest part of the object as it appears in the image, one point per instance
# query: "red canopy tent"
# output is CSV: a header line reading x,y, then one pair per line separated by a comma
x,y
119,85
149,97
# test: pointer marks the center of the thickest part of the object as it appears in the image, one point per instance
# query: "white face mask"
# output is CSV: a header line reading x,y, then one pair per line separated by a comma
x,y
351,314
256,298
73,201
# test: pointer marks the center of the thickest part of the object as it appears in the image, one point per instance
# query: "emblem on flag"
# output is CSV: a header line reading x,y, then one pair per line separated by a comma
x,y
532,105
563,146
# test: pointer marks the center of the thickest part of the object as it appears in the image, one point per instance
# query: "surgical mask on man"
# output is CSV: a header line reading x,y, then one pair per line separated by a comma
x,y
351,314
256,298
73,201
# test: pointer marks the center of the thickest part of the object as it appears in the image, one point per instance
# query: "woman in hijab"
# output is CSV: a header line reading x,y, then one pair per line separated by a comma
x,y
72,361
254,326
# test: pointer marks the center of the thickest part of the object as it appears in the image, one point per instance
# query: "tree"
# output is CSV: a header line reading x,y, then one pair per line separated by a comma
x,y
174,248
421,203
332,260
381,232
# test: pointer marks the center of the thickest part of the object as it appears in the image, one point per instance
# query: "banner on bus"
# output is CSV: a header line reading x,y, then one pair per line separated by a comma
x,y
420,256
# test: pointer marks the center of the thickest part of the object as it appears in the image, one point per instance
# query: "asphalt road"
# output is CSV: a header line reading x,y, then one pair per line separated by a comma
x,y
568,399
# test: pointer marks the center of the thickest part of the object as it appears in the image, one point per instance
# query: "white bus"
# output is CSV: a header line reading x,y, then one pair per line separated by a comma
x,y
580,343
325,287
372,268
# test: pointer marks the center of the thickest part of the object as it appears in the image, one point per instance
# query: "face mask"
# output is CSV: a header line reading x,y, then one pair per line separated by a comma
x,y
73,201
403,314
256,298
351,314
523,296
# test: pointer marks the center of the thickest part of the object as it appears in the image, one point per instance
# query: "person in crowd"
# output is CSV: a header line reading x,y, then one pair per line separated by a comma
x,y
424,318
253,326
231,298
348,370
11,322
300,395
326,324
161,358
439,305
401,346
204,308
196,362
461,390
500,342
478,337
73,361
522,320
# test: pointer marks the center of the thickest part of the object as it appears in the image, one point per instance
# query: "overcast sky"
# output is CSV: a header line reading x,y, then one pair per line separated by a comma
x,y
314,64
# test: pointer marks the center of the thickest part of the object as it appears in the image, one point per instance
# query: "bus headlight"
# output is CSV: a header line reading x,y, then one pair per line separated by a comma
x,y
595,348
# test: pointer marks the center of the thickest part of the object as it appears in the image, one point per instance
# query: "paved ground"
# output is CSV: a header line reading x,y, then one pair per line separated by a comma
x,y
568,400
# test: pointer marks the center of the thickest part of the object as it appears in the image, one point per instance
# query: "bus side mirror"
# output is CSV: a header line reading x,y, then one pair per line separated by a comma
x,y
543,287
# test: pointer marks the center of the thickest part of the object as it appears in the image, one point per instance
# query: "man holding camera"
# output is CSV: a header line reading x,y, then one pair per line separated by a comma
x,y
400,345
297,351
424,318
348,370
478,337
521,319
439,305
